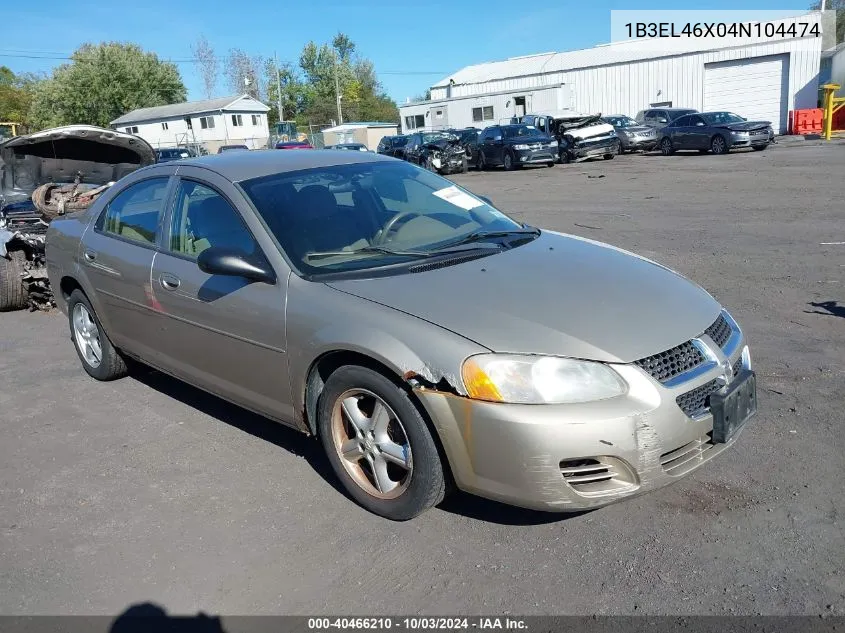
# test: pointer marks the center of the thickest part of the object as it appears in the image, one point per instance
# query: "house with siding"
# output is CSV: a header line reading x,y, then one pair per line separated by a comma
x,y
234,120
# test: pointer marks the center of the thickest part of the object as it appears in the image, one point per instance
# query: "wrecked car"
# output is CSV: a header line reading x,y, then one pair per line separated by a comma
x,y
578,135
439,152
422,335
47,175
632,135
468,138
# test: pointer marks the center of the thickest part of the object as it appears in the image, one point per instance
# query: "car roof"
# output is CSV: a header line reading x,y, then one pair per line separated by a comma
x,y
239,166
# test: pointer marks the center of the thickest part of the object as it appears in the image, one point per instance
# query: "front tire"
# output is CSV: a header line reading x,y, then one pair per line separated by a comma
x,y
616,150
718,145
379,445
13,293
508,162
99,357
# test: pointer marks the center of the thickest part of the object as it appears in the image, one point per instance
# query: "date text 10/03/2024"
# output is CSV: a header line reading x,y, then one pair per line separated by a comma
x,y
723,29
417,624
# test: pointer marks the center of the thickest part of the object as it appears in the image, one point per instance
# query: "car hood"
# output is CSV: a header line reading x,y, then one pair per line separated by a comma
x,y
60,154
445,144
560,295
745,126
538,138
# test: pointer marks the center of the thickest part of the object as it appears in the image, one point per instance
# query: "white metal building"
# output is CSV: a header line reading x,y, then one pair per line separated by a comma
x,y
763,78
231,120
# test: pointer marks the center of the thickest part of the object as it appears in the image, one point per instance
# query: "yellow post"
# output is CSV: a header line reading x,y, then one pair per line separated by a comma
x,y
832,105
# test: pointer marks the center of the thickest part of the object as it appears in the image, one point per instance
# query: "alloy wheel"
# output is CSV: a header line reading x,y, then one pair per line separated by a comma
x,y
666,147
718,145
87,335
372,444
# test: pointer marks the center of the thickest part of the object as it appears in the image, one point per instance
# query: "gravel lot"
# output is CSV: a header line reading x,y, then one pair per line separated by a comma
x,y
148,490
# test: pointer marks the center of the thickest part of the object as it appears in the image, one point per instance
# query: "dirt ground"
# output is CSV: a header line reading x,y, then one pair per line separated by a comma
x,y
148,490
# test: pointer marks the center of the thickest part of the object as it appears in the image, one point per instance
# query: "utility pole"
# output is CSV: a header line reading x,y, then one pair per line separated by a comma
x,y
279,86
337,93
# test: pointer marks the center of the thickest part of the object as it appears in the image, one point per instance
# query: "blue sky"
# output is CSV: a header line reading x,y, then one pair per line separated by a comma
x,y
413,44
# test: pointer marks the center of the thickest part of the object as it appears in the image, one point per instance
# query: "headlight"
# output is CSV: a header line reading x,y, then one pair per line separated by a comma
x,y
520,146
553,144
523,379
740,133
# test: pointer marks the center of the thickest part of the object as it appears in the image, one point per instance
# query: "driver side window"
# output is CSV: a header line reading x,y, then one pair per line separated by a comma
x,y
203,218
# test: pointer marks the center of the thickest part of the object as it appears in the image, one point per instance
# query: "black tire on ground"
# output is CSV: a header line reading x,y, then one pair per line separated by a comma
x,y
508,162
666,146
112,365
427,485
551,164
565,158
759,148
718,145
13,293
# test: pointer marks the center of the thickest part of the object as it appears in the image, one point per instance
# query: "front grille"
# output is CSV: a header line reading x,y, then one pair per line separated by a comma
x,y
695,401
684,458
738,366
670,363
666,365
720,331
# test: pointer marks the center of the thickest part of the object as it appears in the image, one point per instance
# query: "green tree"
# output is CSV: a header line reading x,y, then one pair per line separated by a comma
x,y
839,7
16,95
102,82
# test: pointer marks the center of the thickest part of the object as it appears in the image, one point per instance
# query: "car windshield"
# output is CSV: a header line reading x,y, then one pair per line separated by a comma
x,y
621,121
517,131
433,137
718,118
344,218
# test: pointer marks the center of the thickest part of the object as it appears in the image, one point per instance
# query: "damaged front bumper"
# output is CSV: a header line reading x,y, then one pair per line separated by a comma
x,y
449,163
598,146
577,456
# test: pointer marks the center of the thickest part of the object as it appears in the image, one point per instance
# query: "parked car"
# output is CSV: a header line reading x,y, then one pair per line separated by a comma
x,y
436,151
393,146
232,148
165,154
294,145
355,147
578,135
468,139
42,176
513,146
660,117
717,132
389,312
632,135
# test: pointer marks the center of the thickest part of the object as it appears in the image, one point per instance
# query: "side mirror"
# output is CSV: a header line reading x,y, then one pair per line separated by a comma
x,y
497,139
662,120
218,260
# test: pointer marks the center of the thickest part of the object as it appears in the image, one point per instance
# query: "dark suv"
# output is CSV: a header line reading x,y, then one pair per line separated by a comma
x,y
513,146
392,146
660,117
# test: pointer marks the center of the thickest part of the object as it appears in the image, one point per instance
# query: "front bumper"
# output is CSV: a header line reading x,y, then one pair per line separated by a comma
x,y
450,163
579,456
542,155
638,142
752,140
593,147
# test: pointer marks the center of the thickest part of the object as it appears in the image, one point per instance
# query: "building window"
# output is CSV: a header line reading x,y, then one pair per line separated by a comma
x,y
132,130
206,122
256,119
237,120
414,121
164,125
438,114
482,114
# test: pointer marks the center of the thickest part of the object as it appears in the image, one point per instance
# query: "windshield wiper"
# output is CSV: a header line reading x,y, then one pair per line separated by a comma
x,y
366,250
480,236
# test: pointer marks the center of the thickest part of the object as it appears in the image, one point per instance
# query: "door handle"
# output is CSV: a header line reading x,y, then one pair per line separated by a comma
x,y
89,255
168,281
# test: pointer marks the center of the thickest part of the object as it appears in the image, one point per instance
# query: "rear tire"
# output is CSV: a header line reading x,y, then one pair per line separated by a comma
x,y
565,157
353,444
99,357
13,293
666,147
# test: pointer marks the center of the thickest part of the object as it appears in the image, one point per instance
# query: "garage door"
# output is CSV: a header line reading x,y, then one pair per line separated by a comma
x,y
755,88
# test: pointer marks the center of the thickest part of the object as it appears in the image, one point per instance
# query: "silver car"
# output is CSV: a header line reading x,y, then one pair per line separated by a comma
x,y
421,334
633,136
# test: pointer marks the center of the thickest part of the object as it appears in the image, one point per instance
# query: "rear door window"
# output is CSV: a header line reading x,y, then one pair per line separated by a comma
x,y
134,213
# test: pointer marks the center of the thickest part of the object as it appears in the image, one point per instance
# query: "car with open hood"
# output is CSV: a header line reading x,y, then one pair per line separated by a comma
x,y
438,151
633,136
45,175
578,135
716,132
422,335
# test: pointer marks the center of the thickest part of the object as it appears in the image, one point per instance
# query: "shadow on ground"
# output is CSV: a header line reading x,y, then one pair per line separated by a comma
x,y
148,617
828,308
